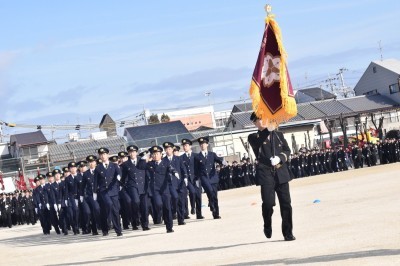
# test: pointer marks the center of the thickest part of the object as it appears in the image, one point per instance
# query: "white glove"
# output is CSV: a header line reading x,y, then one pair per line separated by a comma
x,y
7,206
176,175
145,156
197,183
275,160
66,203
76,202
40,205
95,196
120,188
224,163
59,207
55,206
48,206
186,181
81,199
36,210
119,177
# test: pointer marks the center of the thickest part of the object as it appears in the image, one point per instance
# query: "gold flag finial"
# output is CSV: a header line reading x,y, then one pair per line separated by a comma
x,y
268,8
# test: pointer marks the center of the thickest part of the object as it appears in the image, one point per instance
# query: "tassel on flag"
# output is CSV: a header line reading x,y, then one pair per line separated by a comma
x,y
271,90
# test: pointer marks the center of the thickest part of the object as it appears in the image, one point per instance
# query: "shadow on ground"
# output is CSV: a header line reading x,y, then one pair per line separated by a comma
x,y
327,258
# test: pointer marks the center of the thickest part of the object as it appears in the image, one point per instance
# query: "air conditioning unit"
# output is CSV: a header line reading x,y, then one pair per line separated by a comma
x,y
98,135
73,137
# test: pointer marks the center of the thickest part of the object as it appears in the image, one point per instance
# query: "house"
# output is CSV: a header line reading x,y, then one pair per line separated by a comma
x,y
193,118
381,77
157,134
31,146
108,125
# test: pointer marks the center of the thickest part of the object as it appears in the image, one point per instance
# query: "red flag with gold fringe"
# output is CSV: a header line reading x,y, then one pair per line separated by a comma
x,y
271,90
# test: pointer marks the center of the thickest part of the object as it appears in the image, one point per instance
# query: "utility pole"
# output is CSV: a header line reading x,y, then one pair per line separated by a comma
x,y
1,132
380,49
331,85
344,89
306,77
208,93
144,117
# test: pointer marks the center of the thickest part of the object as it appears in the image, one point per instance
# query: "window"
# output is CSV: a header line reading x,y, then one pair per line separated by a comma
x,y
394,88
30,153
374,69
394,117
371,92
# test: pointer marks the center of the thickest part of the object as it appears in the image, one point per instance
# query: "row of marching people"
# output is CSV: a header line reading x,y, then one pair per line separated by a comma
x,y
17,208
96,194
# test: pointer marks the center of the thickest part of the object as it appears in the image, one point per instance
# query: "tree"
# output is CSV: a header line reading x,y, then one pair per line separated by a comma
x,y
164,118
343,125
153,119
380,125
330,124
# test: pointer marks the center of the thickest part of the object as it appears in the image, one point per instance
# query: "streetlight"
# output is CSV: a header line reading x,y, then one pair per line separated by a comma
x,y
208,93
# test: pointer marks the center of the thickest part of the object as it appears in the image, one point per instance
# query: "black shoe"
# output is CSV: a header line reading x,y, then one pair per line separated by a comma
x,y
290,238
187,217
192,211
200,217
181,223
95,234
174,217
119,234
170,231
65,233
217,217
85,232
135,228
75,233
126,227
268,232
105,233
146,228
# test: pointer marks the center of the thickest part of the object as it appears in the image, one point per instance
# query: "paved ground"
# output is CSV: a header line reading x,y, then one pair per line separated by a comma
x,y
356,222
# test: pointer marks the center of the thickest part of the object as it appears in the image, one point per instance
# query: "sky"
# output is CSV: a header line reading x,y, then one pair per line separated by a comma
x,y
70,62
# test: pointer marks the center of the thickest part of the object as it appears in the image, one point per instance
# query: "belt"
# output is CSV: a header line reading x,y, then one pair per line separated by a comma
x,y
270,167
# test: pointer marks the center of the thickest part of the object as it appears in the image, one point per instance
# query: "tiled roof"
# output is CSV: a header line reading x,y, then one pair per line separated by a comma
x,y
332,107
368,103
328,109
29,138
242,107
242,118
309,111
79,150
156,134
317,93
205,133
